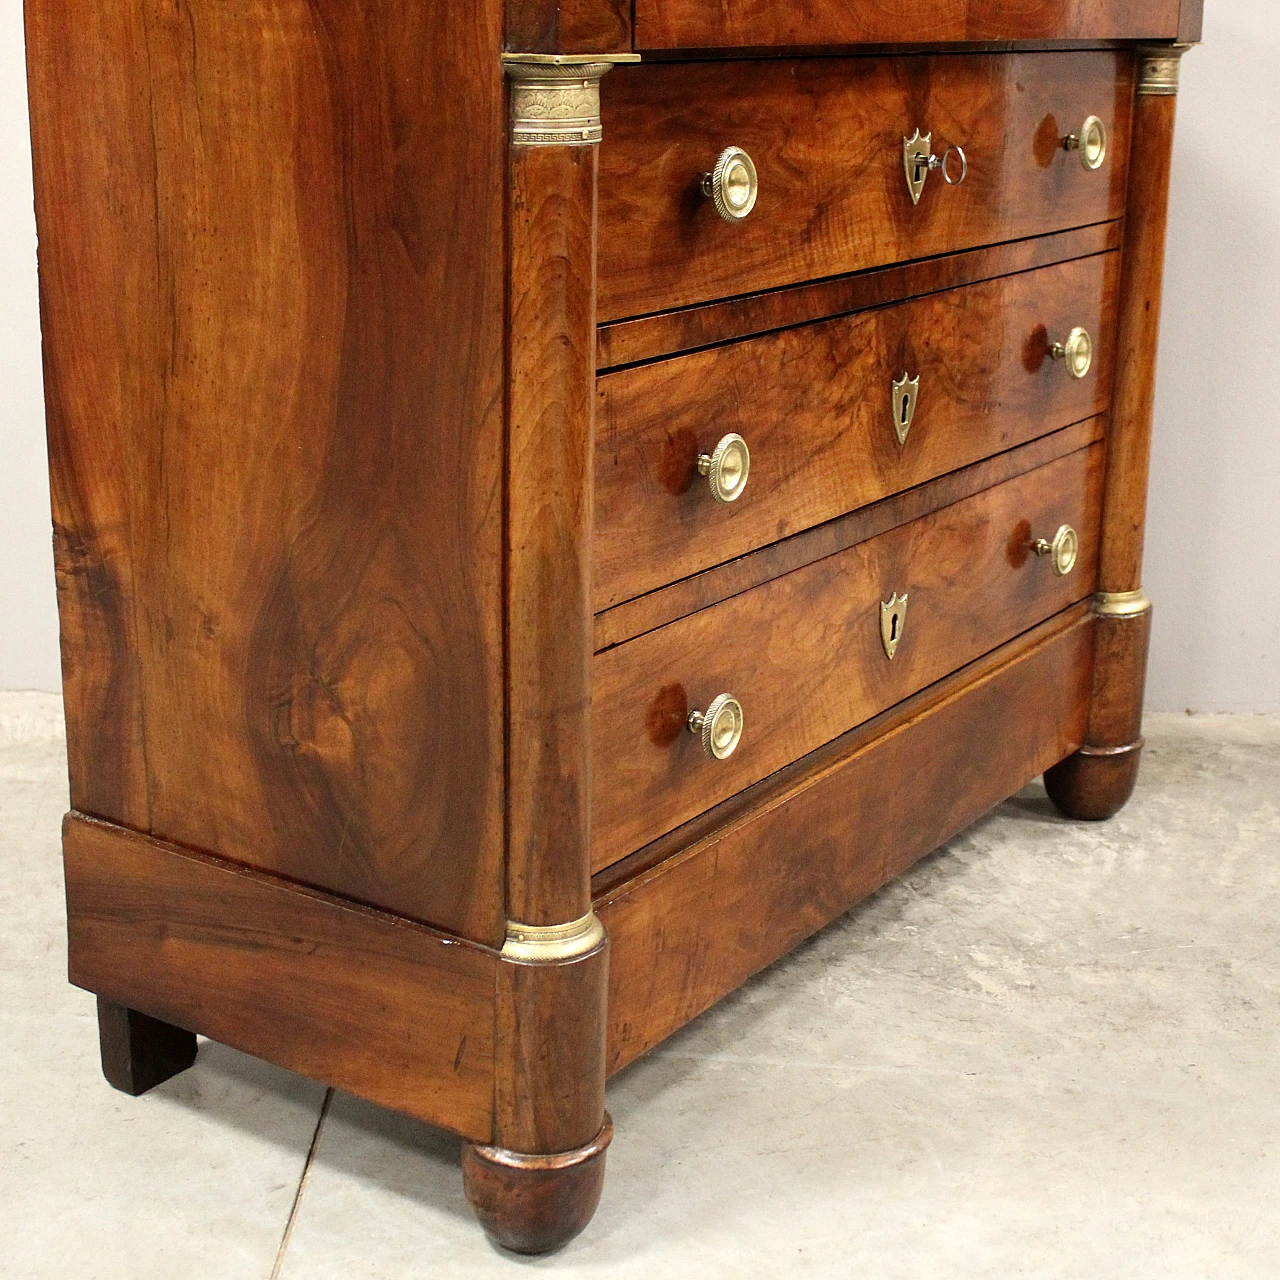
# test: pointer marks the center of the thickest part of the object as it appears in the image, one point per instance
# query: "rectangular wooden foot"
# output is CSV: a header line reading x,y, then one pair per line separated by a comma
x,y
140,1052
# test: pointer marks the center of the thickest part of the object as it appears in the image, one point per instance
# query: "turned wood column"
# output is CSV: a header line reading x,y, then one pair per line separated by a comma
x,y
1098,779
537,1184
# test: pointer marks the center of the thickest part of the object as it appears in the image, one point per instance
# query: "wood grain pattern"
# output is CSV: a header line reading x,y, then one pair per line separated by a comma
x,y
658,608
816,407
649,337
569,26
688,931
272,296
551,401
723,24
826,136
392,1011
549,1087
803,653
1141,289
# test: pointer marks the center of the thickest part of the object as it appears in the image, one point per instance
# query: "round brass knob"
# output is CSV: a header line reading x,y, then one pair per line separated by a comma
x,y
1077,351
719,727
1090,142
726,468
1065,549
732,185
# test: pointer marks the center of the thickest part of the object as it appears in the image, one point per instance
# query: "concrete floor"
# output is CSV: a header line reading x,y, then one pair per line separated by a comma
x,y
1049,1050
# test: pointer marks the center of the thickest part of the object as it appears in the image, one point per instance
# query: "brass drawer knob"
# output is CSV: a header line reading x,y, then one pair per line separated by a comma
x,y
719,727
1090,142
726,468
920,162
1065,549
732,186
1077,351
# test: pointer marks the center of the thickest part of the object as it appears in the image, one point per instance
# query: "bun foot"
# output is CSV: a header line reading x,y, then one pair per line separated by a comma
x,y
1095,783
535,1204
140,1052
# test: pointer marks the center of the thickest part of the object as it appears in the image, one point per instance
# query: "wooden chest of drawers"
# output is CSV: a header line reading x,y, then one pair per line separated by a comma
x,y
555,503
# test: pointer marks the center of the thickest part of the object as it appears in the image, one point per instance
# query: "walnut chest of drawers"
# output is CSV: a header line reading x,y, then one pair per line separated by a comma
x,y
553,503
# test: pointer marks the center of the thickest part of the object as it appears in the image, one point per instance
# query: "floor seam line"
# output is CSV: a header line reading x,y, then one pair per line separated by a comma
x,y
302,1185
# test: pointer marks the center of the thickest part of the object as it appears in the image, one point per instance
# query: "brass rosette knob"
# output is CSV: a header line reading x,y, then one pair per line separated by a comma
x,y
1090,143
732,186
719,727
1076,352
726,467
1064,549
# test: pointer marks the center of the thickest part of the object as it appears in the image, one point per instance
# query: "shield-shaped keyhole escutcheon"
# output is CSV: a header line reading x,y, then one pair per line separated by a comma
x,y
906,395
893,621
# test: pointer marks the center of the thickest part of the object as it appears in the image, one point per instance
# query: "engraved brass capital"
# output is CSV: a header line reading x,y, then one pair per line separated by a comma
x,y
1158,69
555,97
552,943
1121,604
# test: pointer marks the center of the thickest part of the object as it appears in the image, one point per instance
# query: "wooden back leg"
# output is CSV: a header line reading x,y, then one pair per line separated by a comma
x,y
138,1051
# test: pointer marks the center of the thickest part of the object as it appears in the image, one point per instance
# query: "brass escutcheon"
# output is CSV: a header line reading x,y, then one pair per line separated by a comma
x,y
893,622
919,161
906,395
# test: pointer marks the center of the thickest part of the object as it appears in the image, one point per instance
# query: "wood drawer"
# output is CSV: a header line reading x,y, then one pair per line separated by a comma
x,y
803,653
815,405
727,24
826,137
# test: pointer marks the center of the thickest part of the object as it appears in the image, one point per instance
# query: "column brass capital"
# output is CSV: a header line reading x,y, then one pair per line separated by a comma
x,y
1159,66
554,943
555,97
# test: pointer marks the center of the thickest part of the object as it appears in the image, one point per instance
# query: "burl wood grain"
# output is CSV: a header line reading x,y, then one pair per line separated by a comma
x,y
569,26
692,928
803,653
392,1011
826,136
272,299
672,332
680,599
707,24
816,407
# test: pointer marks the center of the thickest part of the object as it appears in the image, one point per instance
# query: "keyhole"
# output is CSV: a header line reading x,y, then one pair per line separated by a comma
x,y
921,165
906,401
893,628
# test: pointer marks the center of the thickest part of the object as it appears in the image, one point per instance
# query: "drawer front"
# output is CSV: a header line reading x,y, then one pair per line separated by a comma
x,y
818,411
740,24
826,138
804,654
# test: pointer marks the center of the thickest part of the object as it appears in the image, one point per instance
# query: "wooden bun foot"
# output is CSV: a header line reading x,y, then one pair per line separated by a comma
x,y
140,1052
535,1204
1094,784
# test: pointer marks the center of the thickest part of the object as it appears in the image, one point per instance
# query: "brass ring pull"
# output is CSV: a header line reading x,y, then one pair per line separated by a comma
x,y
942,163
1065,549
719,727
1090,142
726,468
1077,351
732,186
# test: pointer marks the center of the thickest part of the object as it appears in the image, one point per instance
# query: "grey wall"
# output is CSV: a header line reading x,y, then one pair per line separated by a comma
x,y
1213,560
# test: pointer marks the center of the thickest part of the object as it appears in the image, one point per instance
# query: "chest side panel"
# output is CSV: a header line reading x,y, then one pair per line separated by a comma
x,y
271,280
